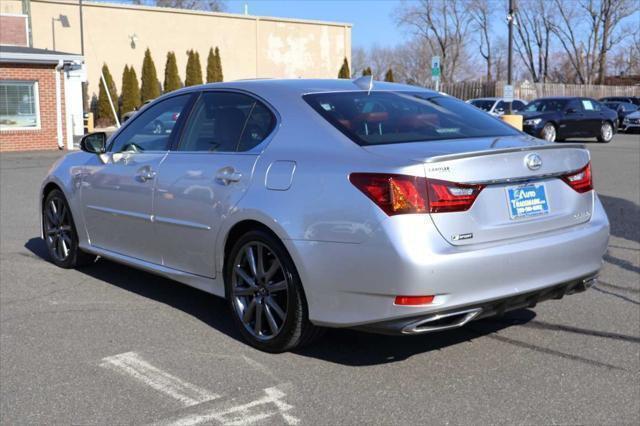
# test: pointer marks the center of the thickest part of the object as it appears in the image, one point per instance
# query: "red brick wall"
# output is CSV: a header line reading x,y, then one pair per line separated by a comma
x,y
13,30
46,136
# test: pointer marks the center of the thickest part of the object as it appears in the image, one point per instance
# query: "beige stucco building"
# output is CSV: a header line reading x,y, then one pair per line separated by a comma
x,y
250,46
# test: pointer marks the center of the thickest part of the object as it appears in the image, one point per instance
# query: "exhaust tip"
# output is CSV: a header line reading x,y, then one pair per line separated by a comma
x,y
440,322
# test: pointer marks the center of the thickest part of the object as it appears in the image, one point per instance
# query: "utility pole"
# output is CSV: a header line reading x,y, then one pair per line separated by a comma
x,y
85,100
510,19
81,31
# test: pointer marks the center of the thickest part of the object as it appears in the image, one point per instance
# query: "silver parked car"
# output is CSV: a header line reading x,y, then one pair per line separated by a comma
x,y
327,203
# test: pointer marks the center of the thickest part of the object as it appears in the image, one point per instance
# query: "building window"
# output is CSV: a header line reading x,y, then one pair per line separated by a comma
x,y
19,109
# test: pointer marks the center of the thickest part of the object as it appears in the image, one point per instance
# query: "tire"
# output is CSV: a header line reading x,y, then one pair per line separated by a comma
x,y
606,132
158,128
273,289
60,233
549,132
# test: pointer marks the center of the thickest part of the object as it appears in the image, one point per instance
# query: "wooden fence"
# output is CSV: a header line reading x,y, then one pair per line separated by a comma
x,y
529,91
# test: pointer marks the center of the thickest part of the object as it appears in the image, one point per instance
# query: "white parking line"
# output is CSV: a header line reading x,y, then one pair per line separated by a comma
x,y
244,414
132,365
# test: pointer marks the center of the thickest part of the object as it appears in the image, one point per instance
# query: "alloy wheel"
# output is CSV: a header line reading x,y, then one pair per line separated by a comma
x,y
259,288
549,133
57,229
606,132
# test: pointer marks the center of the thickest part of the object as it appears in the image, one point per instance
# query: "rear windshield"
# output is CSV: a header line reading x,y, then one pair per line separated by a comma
x,y
396,117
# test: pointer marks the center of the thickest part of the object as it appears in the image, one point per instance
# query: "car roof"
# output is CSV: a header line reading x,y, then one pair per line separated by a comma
x,y
302,86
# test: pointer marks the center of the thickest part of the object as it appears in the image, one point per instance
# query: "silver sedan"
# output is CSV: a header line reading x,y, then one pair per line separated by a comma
x,y
332,203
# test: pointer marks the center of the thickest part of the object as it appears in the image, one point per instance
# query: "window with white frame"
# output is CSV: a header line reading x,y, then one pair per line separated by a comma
x,y
19,108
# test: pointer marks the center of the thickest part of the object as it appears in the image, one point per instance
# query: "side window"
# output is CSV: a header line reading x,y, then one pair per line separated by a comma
x,y
517,106
575,105
226,122
259,126
500,107
152,129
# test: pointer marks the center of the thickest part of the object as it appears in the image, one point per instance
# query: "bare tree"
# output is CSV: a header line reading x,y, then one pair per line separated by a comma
x,y
209,5
481,12
588,30
443,25
534,31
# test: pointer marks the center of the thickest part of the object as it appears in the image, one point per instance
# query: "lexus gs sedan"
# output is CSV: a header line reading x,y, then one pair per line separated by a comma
x,y
332,203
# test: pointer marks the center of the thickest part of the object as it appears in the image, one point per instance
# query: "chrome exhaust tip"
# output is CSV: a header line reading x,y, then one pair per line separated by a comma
x,y
590,282
438,322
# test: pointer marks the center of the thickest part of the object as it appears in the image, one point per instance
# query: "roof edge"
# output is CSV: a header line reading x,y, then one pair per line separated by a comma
x,y
159,9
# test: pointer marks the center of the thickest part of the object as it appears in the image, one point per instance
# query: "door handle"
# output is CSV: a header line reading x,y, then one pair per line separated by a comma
x,y
227,175
145,173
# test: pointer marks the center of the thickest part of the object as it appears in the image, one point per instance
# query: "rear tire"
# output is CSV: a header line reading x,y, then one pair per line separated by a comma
x,y
606,132
60,233
265,294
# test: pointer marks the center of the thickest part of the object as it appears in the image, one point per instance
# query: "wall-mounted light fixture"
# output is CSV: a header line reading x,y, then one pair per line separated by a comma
x,y
134,38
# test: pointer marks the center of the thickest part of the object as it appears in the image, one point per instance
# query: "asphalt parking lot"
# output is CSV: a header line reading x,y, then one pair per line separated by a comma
x,y
111,345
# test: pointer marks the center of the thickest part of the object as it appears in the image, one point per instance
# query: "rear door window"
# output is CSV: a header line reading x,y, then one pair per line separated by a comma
x,y
399,117
226,122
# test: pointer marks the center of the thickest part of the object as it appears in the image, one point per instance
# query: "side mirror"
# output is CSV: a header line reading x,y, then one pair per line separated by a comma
x,y
94,143
571,111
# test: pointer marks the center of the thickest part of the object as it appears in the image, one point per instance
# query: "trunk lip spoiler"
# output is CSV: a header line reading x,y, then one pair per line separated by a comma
x,y
457,156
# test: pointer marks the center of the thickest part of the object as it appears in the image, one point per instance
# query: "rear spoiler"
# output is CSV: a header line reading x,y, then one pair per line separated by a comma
x,y
458,156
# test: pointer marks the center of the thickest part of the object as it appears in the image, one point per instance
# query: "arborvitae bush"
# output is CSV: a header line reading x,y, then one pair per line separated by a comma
x,y
389,76
366,71
150,85
104,113
130,93
194,70
344,70
171,77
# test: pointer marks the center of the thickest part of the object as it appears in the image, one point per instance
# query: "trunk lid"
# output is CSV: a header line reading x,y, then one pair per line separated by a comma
x,y
501,165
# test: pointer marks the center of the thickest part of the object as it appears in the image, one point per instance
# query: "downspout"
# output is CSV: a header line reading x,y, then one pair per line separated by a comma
x,y
59,106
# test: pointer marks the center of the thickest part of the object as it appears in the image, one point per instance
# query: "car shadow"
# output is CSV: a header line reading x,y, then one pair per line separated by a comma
x,y
624,217
341,346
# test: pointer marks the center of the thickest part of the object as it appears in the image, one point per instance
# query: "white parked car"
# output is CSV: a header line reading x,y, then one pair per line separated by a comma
x,y
496,106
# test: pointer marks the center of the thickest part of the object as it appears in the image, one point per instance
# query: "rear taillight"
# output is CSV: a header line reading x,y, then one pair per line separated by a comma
x,y
581,181
451,197
401,194
394,194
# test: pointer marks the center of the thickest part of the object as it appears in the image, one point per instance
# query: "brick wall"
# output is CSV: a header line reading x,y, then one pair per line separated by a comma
x,y
13,30
46,136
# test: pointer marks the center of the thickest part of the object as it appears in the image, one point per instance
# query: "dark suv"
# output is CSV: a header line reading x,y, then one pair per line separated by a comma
x,y
559,118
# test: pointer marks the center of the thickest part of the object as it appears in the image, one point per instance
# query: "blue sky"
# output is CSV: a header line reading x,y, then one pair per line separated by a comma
x,y
371,19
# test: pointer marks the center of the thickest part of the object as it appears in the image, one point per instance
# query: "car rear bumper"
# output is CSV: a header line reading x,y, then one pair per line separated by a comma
x,y
350,285
458,317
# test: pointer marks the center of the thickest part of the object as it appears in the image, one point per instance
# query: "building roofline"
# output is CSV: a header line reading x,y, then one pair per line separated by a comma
x,y
197,12
37,58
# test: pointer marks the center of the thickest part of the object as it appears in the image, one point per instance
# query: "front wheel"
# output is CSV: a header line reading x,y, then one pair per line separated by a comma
x,y
265,294
549,132
60,232
606,132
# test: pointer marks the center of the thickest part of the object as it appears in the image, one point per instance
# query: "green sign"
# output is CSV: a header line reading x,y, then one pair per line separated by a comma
x,y
435,68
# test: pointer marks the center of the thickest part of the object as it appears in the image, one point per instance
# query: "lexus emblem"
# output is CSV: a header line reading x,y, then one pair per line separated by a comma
x,y
533,161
